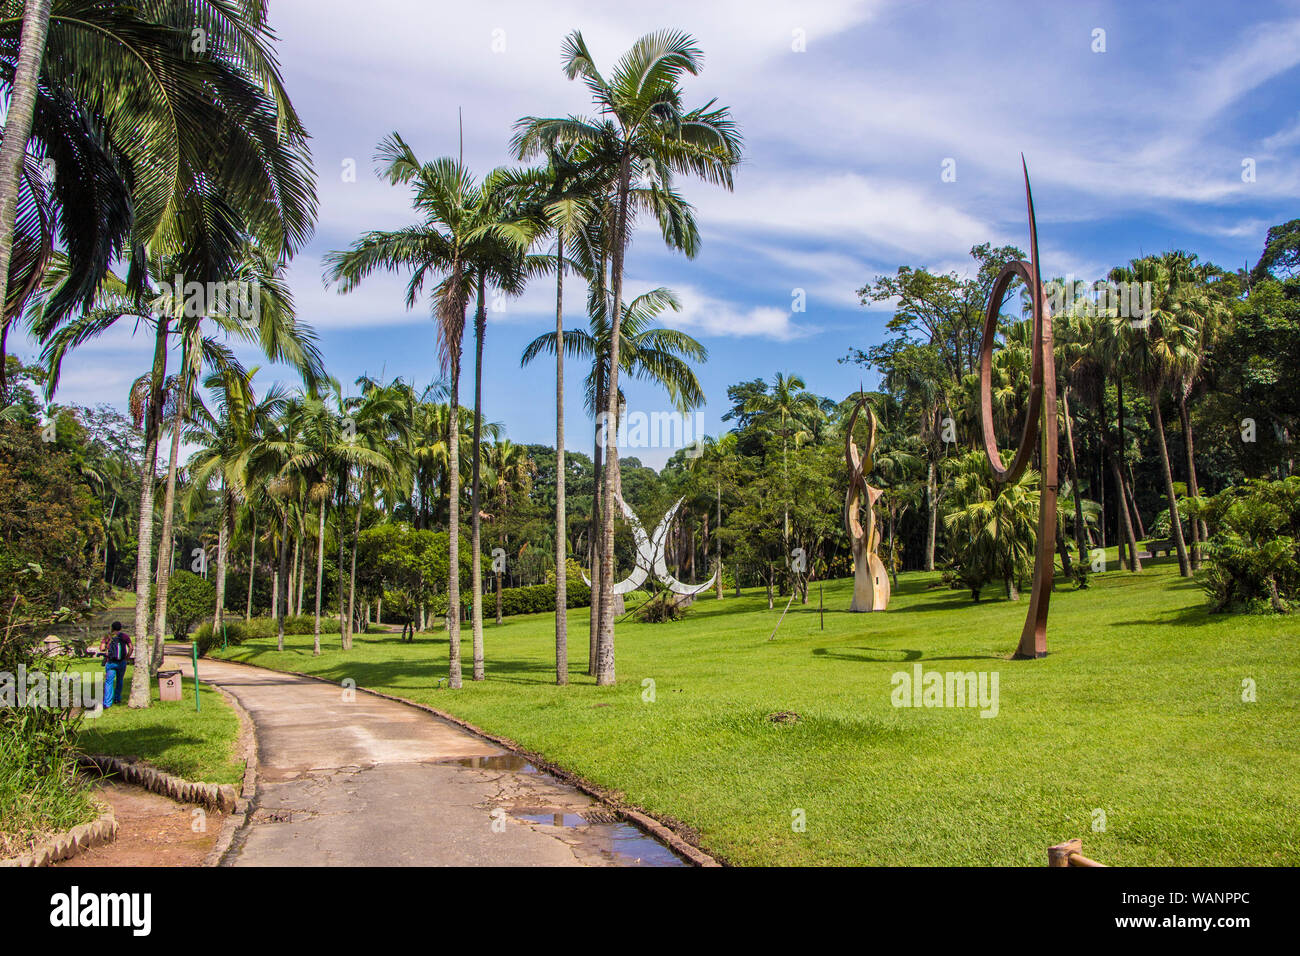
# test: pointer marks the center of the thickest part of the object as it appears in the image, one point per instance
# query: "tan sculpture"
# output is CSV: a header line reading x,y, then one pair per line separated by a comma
x,y
870,578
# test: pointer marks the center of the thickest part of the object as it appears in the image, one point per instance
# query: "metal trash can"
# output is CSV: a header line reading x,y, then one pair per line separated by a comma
x,y
169,685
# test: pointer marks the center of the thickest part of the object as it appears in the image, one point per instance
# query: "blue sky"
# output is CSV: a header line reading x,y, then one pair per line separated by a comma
x,y
1133,150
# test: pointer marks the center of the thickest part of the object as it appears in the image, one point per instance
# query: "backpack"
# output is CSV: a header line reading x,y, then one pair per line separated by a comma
x,y
116,649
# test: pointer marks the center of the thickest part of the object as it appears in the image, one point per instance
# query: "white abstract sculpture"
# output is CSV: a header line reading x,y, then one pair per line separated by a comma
x,y
650,556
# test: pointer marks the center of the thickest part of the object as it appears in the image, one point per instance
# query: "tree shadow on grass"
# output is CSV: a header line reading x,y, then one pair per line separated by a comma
x,y
909,655
147,742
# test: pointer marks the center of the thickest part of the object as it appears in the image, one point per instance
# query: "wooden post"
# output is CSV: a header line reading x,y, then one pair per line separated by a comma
x,y
1059,855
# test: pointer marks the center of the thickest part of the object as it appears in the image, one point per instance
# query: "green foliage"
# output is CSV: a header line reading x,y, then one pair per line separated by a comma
x,y
1253,553
189,598
541,597
991,530
261,628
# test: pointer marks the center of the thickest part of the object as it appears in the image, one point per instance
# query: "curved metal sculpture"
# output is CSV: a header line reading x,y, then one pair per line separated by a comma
x,y
1040,424
870,578
650,555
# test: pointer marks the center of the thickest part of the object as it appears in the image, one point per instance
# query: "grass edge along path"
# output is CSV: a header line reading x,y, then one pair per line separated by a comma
x,y
171,736
1132,733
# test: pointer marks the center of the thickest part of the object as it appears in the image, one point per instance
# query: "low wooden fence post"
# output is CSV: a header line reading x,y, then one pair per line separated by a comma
x,y
1069,853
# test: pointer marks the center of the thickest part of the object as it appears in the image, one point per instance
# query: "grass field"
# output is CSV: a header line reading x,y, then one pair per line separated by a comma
x,y
1137,714
171,735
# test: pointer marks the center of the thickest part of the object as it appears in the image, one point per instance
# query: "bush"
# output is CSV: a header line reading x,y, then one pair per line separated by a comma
x,y
1253,554
189,599
660,609
260,629
536,599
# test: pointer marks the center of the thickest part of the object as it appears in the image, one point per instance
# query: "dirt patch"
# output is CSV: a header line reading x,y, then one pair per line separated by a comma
x,y
151,830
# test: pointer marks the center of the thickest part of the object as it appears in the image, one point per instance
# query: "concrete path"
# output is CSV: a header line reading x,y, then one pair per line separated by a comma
x,y
373,782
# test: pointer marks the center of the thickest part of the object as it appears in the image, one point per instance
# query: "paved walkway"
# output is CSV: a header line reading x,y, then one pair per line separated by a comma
x,y
376,782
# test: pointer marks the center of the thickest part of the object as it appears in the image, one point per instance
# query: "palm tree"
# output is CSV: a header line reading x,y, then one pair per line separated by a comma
x,y
456,230
510,474
1160,350
380,426
647,352
224,438
565,195
18,127
319,454
787,412
498,257
152,131
645,134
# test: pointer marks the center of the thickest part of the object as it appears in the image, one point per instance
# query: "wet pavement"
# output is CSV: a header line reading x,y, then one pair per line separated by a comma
x,y
357,780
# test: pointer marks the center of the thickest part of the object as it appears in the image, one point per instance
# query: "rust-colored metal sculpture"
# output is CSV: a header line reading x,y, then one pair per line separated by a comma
x,y
870,579
1040,423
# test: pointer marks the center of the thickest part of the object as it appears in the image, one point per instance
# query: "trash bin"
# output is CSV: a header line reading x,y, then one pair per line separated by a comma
x,y
169,685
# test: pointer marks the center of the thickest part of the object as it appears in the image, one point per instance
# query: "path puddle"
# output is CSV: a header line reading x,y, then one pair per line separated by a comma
x,y
618,842
509,762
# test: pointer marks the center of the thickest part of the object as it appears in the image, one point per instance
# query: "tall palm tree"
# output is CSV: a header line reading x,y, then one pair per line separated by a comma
x,y
787,412
1158,351
319,455
648,352
151,130
456,229
564,194
645,134
379,424
223,437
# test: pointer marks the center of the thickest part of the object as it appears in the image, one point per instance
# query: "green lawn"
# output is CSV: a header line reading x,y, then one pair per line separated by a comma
x,y
171,736
1136,712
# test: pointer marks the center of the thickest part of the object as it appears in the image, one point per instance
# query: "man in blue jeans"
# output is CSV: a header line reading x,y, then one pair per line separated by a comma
x,y
116,650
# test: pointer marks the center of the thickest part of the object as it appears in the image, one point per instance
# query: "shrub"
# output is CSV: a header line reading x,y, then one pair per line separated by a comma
x,y
536,598
1253,555
661,608
189,599
260,629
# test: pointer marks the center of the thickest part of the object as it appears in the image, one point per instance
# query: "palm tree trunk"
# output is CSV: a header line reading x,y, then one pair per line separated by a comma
x,y
320,574
295,580
223,539
594,539
352,575
453,523
932,518
1079,530
1175,523
561,523
282,584
252,566
140,693
1193,489
18,128
605,672
345,630
1126,526
165,539
475,547
299,567
1133,502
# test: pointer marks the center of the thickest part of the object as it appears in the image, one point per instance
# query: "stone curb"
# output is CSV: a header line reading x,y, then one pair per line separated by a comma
x,y
248,750
214,796
66,845
632,814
